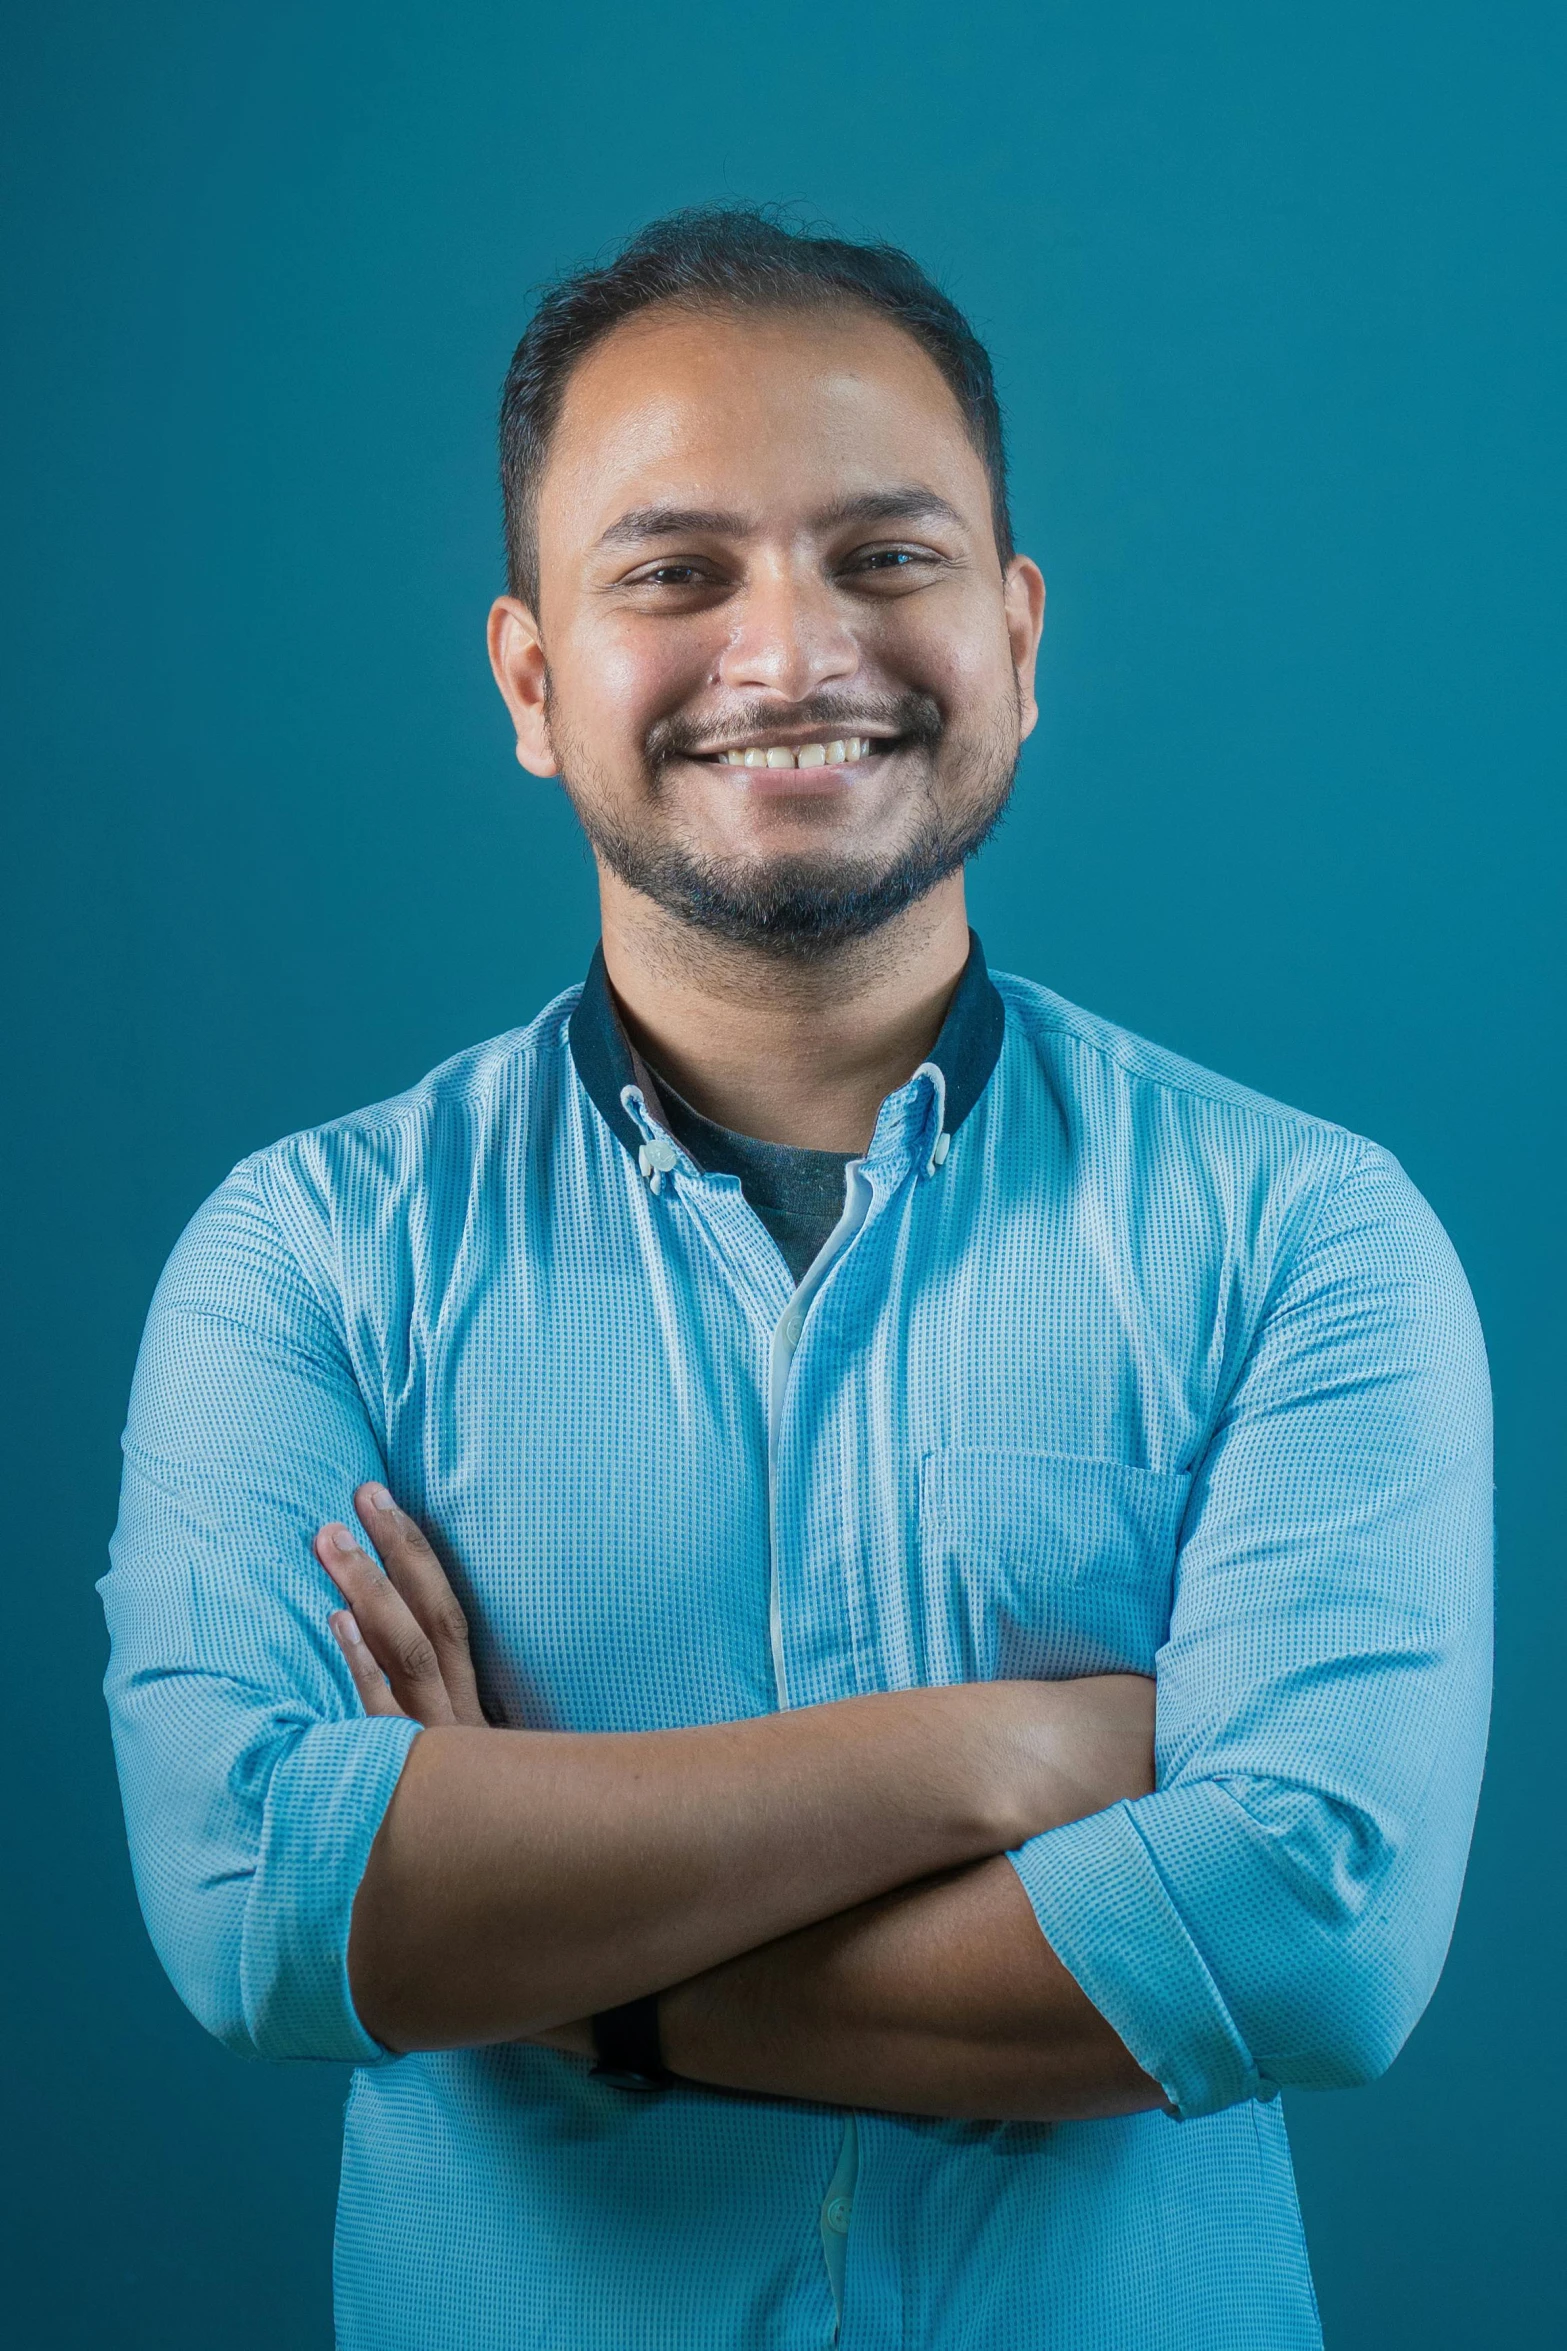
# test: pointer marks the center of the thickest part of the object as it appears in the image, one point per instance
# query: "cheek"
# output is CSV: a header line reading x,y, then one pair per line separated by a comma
x,y
963,658
625,673
614,680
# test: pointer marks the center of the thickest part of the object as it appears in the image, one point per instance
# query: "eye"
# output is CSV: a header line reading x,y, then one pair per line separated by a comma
x,y
893,562
676,573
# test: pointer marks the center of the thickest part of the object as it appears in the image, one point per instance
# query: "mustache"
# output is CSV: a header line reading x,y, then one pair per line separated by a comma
x,y
915,717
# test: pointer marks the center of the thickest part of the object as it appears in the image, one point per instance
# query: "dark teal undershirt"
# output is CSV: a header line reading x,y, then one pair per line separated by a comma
x,y
797,1194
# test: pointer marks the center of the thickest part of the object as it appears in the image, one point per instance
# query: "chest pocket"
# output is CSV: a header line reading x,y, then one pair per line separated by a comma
x,y
1039,1566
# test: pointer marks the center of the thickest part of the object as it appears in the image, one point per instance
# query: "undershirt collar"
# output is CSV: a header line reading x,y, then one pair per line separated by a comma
x,y
965,1051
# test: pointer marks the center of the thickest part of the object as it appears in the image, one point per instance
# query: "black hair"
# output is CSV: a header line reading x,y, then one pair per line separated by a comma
x,y
727,256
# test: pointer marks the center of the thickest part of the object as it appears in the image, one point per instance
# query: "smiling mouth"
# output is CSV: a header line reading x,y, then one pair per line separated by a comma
x,y
841,751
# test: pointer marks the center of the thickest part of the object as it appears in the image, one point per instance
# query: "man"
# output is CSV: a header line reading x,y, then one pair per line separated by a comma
x,y
808,1396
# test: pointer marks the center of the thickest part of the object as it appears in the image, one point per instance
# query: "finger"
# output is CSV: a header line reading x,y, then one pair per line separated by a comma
x,y
374,1695
393,1635
422,1581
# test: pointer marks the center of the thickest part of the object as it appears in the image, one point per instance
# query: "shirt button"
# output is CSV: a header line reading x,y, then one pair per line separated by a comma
x,y
792,1329
837,2213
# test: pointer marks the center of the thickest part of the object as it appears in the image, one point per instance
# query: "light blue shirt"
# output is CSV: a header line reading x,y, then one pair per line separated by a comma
x,y
1109,1364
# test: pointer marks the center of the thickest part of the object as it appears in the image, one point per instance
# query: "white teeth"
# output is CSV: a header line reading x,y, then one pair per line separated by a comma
x,y
807,755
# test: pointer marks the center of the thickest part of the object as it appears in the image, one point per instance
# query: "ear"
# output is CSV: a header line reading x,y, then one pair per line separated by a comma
x,y
1024,593
517,658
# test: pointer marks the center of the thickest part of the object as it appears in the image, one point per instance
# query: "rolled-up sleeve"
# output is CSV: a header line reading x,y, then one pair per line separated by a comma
x,y
1278,1912
253,1784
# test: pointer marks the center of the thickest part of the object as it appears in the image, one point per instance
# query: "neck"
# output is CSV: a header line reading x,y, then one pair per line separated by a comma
x,y
801,1053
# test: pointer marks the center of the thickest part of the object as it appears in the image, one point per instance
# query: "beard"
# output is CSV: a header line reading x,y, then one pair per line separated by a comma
x,y
805,907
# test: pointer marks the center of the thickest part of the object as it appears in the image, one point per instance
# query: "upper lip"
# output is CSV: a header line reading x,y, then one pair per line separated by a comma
x,y
790,738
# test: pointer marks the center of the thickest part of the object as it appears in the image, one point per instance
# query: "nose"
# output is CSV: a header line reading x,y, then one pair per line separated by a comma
x,y
789,635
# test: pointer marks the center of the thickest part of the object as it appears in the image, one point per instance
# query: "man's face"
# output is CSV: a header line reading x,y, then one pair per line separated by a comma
x,y
776,660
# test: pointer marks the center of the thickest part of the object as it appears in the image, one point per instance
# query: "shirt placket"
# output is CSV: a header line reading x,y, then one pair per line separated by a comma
x,y
909,1141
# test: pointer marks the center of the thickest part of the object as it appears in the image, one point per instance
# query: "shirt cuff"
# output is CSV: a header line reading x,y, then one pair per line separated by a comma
x,y
1106,1912
325,1801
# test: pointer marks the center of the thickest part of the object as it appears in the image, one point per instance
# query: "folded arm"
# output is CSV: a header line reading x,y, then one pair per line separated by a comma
x,y
1275,1912
523,1878
941,1998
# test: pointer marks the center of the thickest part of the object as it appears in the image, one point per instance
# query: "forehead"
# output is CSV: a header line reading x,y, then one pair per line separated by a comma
x,y
767,413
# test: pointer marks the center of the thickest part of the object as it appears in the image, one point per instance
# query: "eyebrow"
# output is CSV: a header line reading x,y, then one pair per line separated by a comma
x,y
673,522
909,502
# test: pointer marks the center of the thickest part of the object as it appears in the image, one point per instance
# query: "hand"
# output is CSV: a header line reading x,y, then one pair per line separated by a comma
x,y
403,1633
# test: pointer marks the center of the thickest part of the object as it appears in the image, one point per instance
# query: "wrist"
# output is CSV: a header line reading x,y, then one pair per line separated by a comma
x,y
627,2048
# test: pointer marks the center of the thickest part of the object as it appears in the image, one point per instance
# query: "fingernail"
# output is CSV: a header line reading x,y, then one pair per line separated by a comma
x,y
380,1499
340,1539
348,1628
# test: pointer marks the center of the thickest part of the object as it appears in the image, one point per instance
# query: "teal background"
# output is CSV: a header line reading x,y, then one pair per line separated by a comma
x,y
1276,300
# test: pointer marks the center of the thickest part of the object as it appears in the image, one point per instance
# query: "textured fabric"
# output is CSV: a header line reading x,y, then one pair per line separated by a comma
x,y
1146,1372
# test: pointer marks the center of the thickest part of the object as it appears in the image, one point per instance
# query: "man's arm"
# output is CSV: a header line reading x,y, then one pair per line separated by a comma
x,y
1276,1913
522,1878
938,1999
941,1999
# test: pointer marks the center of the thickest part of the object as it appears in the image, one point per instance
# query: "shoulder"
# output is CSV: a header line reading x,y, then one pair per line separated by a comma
x,y
1319,1230
1095,1058
345,1190
1185,1142
456,1107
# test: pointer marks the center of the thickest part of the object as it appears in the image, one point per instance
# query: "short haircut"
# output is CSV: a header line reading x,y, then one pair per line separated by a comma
x,y
729,257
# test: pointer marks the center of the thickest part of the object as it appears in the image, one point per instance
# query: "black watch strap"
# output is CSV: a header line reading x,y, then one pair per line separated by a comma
x,y
626,2043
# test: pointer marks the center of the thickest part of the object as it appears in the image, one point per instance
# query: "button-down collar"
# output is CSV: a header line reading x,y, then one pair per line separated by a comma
x,y
938,1097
